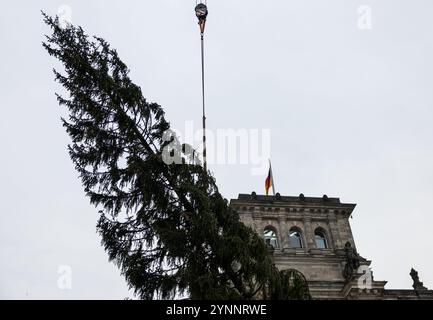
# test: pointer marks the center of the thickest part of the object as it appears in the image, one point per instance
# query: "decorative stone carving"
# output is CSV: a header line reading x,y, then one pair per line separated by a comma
x,y
417,284
352,261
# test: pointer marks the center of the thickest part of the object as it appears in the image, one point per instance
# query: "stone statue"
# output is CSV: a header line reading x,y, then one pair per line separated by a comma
x,y
417,285
352,261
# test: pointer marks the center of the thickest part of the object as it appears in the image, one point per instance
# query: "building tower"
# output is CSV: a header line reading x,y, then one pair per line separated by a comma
x,y
313,236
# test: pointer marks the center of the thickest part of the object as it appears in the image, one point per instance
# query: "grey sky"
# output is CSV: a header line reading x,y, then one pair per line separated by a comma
x,y
349,110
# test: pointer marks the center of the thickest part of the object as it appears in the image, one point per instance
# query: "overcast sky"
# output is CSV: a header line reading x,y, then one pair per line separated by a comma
x,y
349,109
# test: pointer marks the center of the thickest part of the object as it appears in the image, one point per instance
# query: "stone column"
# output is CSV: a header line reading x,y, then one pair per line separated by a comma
x,y
309,235
334,235
282,233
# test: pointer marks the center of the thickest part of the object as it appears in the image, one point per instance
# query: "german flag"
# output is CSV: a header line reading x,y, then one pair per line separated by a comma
x,y
268,182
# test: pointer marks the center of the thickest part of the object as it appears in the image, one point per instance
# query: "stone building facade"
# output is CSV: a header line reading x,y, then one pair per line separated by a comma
x,y
313,235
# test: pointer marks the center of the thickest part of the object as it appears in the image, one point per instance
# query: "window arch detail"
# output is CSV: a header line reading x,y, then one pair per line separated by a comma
x,y
320,239
295,238
270,235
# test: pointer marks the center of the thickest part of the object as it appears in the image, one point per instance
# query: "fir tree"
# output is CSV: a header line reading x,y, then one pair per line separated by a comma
x,y
166,226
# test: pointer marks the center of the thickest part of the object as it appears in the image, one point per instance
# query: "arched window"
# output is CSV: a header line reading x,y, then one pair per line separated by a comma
x,y
295,238
271,234
320,238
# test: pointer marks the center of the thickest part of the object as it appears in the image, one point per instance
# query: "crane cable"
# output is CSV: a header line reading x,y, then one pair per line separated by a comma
x,y
203,100
201,13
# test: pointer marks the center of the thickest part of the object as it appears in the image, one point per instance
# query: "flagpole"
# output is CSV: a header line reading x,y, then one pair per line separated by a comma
x,y
272,177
